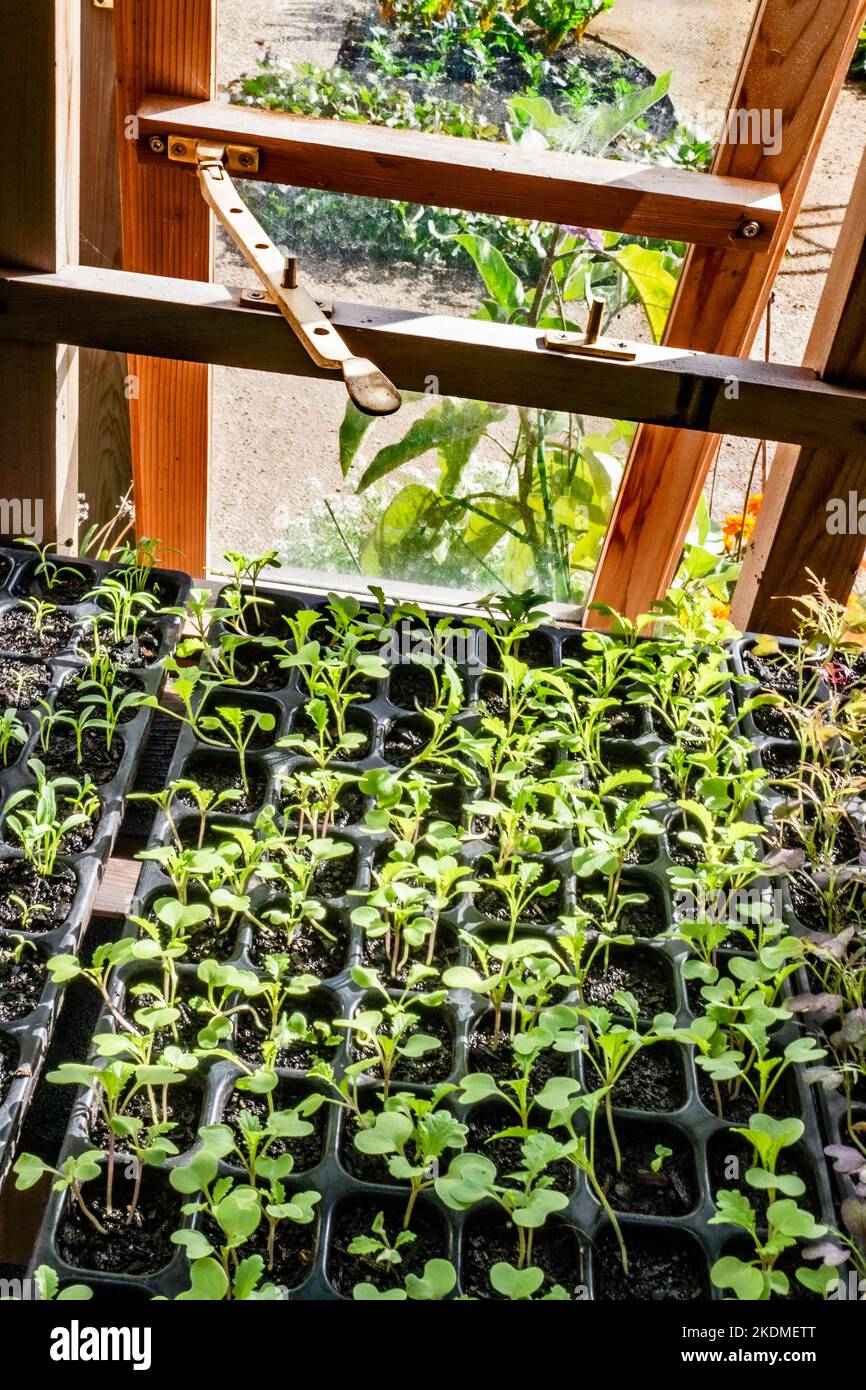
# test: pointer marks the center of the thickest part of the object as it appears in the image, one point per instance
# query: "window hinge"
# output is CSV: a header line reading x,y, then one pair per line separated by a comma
x,y
368,387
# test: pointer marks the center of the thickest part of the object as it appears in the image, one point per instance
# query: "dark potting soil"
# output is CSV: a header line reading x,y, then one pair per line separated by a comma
x,y
729,1158
97,762
23,684
267,616
21,984
208,942
808,904
184,1112
488,1120
349,810
50,898
412,687
80,838
771,675
534,650
300,1057
405,739
8,1064
355,724
661,1266
672,1191
141,1246
306,1152
783,1100
130,654
646,920
258,669
780,759
68,585
641,973
19,634
355,1218
310,952
334,877
645,850
220,772
435,1065
497,1058
654,1081
493,904
294,1251
624,723
445,954
557,1250
773,722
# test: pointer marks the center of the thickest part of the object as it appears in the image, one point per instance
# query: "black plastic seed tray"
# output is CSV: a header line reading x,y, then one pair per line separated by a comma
x,y
779,756
24,1041
662,1100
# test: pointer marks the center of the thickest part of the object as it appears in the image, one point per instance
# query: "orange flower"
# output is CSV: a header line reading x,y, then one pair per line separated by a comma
x,y
736,524
722,611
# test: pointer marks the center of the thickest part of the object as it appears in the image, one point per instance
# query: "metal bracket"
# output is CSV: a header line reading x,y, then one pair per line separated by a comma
x,y
589,344
239,159
258,299
103,4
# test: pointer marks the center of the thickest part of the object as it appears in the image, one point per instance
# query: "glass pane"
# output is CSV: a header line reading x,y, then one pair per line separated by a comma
x,y
463,493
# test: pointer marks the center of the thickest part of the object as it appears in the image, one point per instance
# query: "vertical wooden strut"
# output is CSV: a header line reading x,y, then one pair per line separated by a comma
x,y
167,230
39,172
796,531
104,462
795,63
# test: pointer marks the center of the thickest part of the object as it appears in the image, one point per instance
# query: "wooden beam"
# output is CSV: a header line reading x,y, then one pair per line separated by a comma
x,y
476,175
188,320
39,229
794,530
104,447
795,63
167,230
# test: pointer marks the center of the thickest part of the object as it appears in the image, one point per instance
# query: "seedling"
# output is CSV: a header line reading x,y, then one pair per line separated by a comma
x,y
77,1169
472,1177
13,734
413,1133
377,1248
35,819
435,1283
390,1033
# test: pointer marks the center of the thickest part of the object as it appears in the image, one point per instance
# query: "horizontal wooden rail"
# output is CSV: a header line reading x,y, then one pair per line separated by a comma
x,y
476,175
191,321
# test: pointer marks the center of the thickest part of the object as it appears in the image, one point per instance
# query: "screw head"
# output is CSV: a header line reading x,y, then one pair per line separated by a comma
x,y
246,161
156,144
750,230
178,149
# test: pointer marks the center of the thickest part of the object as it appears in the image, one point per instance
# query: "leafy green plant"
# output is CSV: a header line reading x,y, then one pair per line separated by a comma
x,y
13,734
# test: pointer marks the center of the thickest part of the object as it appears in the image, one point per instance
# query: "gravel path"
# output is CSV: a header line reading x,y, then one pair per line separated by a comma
x,y
274,450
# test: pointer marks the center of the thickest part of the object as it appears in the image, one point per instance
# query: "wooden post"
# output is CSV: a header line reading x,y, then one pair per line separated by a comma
x,y
795,63
104,451
39,228
167,230
795,530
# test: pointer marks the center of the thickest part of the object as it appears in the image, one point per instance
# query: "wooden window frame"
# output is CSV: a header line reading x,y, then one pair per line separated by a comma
x,y
163,309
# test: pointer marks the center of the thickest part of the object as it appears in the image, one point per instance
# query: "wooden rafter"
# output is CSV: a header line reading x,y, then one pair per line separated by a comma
x,y
476,175
166,231
795,62
189,320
